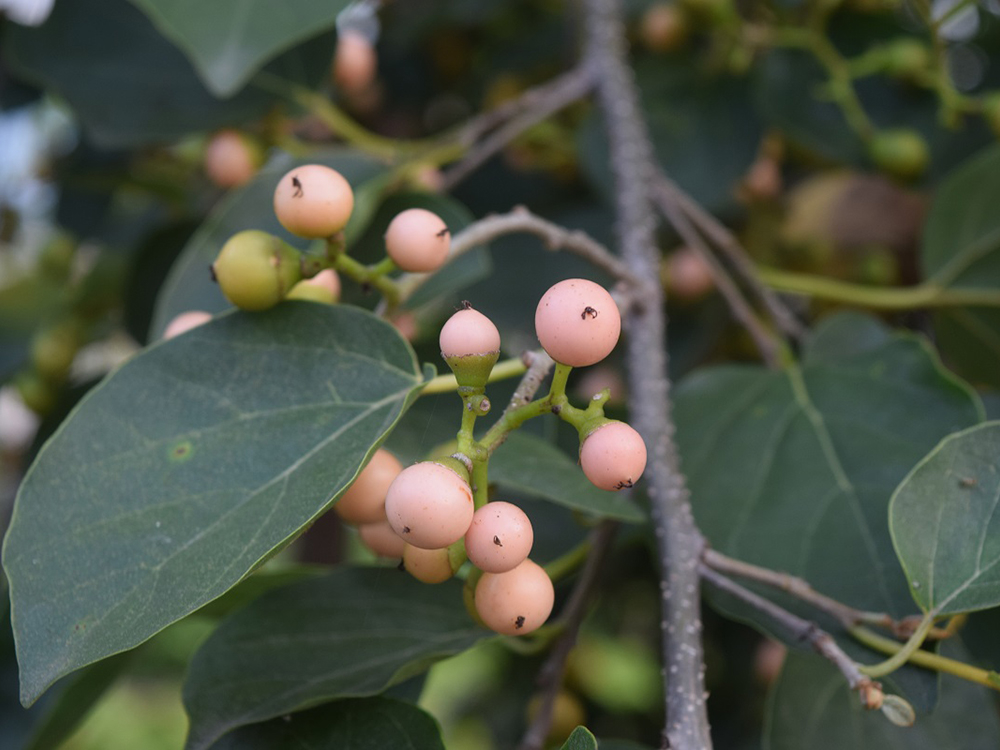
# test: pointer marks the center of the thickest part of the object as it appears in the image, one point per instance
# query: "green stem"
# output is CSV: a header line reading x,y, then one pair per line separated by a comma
x,y
905,651
928,659
926,294
568,563
509,368
480,481
371,275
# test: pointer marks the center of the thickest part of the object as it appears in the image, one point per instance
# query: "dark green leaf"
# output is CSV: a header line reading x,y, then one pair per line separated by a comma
x,y
580,739
163,486
354,724
794,470
128,84
230,40
536,467
961,250
945,526
189,285
811,707
349,634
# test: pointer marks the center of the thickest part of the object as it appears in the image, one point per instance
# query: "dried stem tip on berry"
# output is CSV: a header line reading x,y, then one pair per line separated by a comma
x,y
418,240
613,456
470,344
577,322
313,201
255,269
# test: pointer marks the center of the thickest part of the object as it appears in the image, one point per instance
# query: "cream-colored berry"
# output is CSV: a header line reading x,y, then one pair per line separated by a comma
x,y
427,565
231,159
577,322
417,240
185,322
313,201
381,539
355,62
364,501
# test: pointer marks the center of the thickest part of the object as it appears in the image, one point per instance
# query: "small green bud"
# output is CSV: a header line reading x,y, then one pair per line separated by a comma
x,y
255,270
901,152
906,57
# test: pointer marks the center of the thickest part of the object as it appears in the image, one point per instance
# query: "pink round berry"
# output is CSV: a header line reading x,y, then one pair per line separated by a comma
x,y
313,201
355,62
417,240
613,456
364,500
381,539
185,322
429,505
499,538
577,322
468,333
231,159
516,602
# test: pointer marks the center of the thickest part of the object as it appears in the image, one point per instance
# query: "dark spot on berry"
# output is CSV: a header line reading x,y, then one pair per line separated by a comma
x,y
496,541
406,529
464,305
442,233
519,622
211,272
623,485
588,310
298,193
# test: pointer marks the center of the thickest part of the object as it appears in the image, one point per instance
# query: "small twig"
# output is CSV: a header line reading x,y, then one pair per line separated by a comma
x,y
517,116
521,220
550,676
539,363
668,191
798,628
741,309
847,616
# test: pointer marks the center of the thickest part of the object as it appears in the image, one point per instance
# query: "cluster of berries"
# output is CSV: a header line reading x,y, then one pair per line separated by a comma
x,y
256,270
426,513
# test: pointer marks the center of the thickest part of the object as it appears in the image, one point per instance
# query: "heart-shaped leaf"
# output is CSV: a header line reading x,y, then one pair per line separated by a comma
x,y
945,525
186,468
229,40
352,633
352,724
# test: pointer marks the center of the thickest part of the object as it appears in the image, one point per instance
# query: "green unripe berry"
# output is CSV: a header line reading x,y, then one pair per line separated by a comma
x,y
54,349
37,394
906,57
901,152
255,270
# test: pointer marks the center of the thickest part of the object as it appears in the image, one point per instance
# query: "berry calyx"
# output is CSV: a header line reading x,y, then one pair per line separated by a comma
x,y
364,500
185,322
232,158
255,269
470,344
427,565
417,240
499,538
381,539
516,602
901,152
355,62
324,287
313,201
613,455
430,505
577,322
